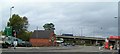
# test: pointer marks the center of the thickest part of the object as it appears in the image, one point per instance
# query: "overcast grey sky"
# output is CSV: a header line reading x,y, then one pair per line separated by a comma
x,y
68,17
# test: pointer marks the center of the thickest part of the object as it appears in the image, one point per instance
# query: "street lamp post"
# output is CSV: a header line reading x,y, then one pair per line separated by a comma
x,y
15,41
10,17
11,10
117,21
116,41
118,34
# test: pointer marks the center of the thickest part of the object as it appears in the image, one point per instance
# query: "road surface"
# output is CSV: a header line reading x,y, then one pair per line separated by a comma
x,y
58,50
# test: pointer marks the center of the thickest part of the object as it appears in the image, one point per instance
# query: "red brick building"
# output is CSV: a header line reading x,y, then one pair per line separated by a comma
x,y
41,38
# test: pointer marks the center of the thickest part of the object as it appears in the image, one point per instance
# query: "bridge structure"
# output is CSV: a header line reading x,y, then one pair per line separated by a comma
x,y
82,40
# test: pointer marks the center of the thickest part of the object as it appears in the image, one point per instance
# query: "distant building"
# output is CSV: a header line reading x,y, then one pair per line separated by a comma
x,y
43,38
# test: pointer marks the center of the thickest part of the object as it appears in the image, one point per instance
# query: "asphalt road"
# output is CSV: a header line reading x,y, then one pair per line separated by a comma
x,y
59,50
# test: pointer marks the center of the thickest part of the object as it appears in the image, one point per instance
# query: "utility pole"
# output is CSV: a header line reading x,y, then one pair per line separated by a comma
x,y
61,32
119,24
72,30
81,31
37,28
101,31
37,31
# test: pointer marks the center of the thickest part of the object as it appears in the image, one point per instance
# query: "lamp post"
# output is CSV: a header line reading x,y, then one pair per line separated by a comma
x,y
116,41
116,22
8,28
118,33
11,10
15,41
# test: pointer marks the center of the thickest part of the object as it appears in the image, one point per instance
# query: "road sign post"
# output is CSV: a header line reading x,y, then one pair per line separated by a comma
x,y
8,31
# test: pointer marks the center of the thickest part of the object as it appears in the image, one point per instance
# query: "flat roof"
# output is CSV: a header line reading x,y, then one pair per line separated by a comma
x,y
80,37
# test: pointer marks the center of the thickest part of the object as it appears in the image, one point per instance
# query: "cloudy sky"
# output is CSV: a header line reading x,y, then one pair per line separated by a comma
x,y
93,18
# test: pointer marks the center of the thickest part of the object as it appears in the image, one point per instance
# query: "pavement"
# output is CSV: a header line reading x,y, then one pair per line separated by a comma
x,y
59,50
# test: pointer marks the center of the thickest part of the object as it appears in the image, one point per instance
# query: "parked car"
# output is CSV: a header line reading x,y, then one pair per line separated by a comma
x,y
5,45
26,44
8,42
69,44
65,44
73,44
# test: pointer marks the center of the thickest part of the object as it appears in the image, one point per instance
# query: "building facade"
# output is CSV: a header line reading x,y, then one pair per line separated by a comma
x,y
42,38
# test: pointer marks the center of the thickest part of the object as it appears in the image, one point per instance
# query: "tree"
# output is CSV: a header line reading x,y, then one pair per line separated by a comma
x,y
49,26
25,36
19,24
2,32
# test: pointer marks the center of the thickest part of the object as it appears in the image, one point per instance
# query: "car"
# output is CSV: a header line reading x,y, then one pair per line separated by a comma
x,y
65,44
73,44
8,42
5,45
26,44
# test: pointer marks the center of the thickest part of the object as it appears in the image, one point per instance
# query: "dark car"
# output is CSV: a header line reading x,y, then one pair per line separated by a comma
x,y
26,44
65,44
73,44
5,45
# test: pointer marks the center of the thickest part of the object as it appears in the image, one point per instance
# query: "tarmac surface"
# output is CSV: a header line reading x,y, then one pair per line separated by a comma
x,y
59,50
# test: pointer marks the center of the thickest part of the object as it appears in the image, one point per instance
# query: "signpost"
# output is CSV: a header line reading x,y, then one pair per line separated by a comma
x,y
8,31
